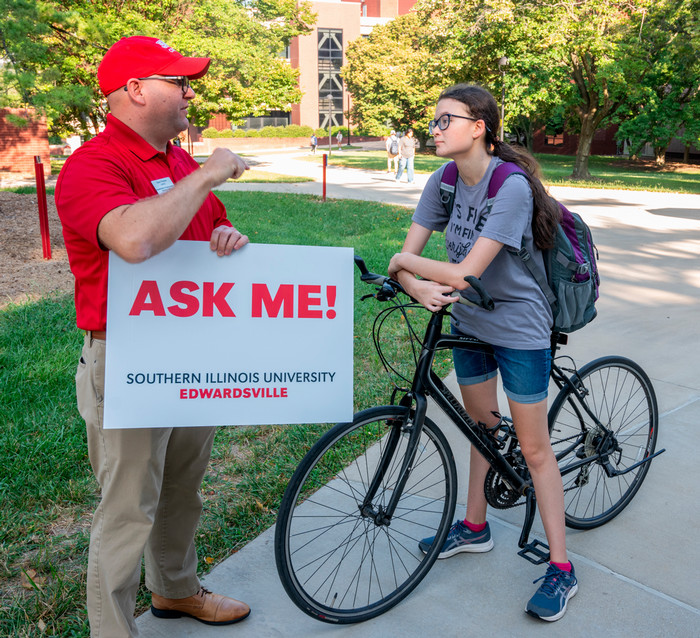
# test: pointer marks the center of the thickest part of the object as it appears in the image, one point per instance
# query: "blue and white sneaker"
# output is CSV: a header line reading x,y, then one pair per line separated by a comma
x,y
461,539
549,601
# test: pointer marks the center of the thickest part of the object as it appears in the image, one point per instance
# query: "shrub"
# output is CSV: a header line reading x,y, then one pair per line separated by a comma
x,y
296,130
293,130
210,132
270,131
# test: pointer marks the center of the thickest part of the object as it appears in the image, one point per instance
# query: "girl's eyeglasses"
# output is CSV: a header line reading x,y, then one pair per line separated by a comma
x,y
444,121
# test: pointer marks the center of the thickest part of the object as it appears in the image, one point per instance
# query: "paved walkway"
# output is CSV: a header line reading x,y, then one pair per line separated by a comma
x,y
639,574
341,183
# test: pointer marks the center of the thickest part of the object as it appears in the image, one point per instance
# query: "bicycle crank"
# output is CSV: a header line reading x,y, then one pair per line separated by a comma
x,y
499,493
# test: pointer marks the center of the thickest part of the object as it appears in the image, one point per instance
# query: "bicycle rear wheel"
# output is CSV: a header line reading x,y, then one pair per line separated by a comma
x,y
340,565
620,395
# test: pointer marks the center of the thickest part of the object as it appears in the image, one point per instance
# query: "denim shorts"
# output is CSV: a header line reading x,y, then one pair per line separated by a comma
x,y
525,373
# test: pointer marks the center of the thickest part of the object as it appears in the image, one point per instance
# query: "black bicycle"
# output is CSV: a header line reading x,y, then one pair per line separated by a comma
x,y
346,540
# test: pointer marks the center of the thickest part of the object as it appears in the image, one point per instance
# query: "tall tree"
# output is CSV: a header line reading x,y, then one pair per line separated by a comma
x,y
31,66
579,54
55,52
597,41
467,38
387,75
669,90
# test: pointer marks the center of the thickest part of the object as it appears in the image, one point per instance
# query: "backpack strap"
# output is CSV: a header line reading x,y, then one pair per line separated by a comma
x,y
500,175
538,275
448,185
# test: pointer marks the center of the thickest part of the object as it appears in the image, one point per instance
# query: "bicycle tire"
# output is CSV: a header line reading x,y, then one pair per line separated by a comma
x,y
622,397
339,566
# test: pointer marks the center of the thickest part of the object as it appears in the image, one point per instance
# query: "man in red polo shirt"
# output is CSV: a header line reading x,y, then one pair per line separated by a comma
x,y
129,190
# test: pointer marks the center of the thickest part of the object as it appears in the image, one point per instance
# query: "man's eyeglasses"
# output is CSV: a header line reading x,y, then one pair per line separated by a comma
x,y
444,121
180,80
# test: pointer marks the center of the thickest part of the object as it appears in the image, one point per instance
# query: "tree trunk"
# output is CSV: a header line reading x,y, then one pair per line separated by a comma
x,y
529,135
583,151
686,154
422,139
660,156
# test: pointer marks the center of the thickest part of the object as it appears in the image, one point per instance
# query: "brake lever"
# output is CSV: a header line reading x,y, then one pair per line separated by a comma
x,y
485,300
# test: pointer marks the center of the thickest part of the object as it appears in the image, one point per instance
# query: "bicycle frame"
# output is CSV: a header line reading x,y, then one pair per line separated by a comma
x,y
426,383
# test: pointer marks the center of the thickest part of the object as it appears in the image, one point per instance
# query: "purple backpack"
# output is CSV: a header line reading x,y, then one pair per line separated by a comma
x,y
571,280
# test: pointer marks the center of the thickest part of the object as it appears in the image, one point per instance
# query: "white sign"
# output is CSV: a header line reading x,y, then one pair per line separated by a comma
x,y
262,336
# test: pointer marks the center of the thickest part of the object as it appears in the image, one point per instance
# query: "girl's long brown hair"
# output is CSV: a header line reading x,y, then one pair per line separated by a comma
x,y
482,105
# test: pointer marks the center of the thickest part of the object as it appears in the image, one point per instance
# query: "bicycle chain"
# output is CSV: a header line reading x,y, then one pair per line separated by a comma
x,y
500,495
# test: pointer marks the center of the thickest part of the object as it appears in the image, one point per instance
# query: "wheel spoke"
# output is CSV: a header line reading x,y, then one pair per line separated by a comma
x,y
335,560
622,399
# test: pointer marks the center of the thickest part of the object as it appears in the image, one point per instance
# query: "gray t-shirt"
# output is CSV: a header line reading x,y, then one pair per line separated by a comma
x,y
522,317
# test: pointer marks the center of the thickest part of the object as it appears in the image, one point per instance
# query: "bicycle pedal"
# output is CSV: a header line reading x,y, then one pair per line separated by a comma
x,y
532,552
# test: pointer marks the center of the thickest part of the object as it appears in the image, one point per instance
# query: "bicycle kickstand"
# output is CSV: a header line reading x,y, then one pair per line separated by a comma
x,y
536,552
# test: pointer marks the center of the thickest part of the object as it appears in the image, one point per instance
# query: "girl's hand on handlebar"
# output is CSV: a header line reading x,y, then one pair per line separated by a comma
x,y
429,294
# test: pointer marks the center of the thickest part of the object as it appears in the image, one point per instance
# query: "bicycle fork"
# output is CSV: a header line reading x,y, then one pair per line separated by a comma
x,y
380,515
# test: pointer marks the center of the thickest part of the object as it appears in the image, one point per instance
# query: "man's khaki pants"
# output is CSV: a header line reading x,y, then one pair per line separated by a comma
x,y
150,479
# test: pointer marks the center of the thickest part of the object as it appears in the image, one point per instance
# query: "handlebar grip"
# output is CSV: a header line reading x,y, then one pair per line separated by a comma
x,y
360,263
366,275
484,300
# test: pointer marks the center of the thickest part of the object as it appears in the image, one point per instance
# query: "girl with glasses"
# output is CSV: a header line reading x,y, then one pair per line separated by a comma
x,y
518,330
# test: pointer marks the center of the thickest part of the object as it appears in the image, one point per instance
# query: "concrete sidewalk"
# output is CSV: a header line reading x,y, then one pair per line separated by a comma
x,y
639,574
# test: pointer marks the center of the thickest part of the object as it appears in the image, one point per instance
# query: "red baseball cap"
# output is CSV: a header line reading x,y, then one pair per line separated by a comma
x,y
141,57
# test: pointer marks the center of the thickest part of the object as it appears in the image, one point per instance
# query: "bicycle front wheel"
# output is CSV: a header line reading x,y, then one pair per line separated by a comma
x,y
339,559
620,396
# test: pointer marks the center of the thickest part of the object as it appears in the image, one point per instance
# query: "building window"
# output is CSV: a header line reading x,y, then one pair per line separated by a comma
x,y
554,140
330,84
554,131
273,118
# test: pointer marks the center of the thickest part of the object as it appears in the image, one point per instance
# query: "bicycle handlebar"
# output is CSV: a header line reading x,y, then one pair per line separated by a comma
x,y
389,287
485,301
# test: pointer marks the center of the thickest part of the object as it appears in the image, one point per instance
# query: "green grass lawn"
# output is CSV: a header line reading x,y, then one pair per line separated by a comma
x,y
608,172
254,176
46,485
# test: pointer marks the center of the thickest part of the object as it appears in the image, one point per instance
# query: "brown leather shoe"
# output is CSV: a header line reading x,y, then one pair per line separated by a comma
x,y
208,608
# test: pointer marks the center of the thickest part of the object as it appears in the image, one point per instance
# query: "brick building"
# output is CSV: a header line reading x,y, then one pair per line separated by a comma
x,y
23,135
563,143
320,55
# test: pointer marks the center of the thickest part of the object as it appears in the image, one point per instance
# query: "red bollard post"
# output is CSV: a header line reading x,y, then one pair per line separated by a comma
x,y
325,164
43,210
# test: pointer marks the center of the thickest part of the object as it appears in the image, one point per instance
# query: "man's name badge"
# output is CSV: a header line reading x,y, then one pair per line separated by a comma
x,y
162,185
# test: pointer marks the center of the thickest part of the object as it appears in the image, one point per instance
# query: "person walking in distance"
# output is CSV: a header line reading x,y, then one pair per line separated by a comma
x,y
392,153
407,152
131,191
